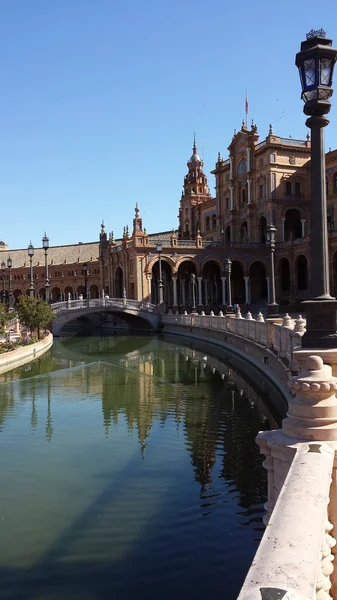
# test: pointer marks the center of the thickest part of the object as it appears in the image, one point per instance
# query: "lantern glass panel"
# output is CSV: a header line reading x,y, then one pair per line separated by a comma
x,y
3,266
325,71
312,95
9,262
310,72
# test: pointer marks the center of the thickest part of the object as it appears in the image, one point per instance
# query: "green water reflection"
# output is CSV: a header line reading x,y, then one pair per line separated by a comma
x,y
128,468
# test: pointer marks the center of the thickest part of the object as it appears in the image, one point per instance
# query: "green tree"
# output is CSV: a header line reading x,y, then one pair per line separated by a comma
x,y
34,313
5,316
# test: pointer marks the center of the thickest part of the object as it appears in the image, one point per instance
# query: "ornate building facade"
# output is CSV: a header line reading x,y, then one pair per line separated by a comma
x,y
260,183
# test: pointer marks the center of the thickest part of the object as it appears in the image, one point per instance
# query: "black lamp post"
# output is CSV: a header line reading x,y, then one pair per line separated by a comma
x,y
272,305
3,269
31,254
85,269
45,245
160,285
193,278
316,62
10,294
229,307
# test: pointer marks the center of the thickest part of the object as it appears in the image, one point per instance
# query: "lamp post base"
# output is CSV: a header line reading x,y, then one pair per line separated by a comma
x,y
229,309
321,328
272,311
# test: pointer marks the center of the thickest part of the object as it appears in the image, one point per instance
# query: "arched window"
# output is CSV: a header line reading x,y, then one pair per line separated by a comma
x,y
207,223
213,221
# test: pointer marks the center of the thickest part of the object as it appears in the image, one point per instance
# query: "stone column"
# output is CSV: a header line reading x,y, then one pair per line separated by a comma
x,y
247,294
231,191
283,229
230,167
174,282
248,158
199,291
224,295
249,199
303,227
182,290
149,278
268,289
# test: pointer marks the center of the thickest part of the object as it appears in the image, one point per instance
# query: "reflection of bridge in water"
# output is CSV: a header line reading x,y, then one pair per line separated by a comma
x,y
136,315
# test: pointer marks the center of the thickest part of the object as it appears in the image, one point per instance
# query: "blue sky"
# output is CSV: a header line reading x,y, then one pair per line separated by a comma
x,y
100,100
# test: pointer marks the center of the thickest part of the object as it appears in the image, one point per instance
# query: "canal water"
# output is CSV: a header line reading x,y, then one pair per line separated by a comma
x,y
128,470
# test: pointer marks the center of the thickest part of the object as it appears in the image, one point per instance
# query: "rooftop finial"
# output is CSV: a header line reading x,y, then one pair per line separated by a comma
x,y
313,33
102,226
271,132
308,136
194,146
136,211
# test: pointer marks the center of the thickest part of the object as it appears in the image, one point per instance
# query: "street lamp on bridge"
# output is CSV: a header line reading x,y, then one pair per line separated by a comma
x,y
10,294
31,254
316,62
193,280
45,245
3,269
160,284
272,305
85,269
229,307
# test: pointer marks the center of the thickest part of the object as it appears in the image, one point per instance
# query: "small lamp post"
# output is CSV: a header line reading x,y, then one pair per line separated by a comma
x,y
31,254
85,269
10,294
229,307
45,245
193,280
316,62
160,285
3,269
272,311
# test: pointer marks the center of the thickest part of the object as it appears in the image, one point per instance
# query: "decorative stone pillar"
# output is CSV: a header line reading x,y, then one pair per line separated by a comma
x,y
182,290
231,191
224,296
174,283
248,159
149,279
268,289
283,229
303,221
199,291
230,167
247,294
249,198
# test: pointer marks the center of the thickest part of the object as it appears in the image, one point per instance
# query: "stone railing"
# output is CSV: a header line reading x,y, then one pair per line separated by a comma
x,y
59,307
279,337
296,554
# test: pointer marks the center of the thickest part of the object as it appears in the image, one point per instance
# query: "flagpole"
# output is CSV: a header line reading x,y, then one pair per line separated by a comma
x,y
246,108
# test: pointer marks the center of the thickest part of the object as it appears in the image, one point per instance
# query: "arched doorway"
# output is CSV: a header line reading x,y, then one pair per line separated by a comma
x,y
284,275
211,278
93,291
184,284
81,291
258,283
292,224
69,290
302,273
119,287
55,294
16,294
262,229
238,283
166,274
42,293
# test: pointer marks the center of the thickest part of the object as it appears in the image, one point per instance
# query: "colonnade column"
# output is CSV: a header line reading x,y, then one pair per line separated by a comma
x,y
224,295
247,290
231,190
268,289
199,291
175,300
149,278
283,229
303,227
182,290
249,199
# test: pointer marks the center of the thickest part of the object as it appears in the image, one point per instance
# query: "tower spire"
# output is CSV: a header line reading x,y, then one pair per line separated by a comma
x,y
194,146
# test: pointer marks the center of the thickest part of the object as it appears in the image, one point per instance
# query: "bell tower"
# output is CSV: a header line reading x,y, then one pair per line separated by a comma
x,y
195,192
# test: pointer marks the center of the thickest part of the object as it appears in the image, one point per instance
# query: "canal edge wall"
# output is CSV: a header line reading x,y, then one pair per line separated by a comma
x,y
24,354
262,358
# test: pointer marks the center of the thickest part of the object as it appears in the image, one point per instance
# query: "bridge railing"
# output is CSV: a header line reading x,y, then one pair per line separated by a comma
x,y
281,337
121,303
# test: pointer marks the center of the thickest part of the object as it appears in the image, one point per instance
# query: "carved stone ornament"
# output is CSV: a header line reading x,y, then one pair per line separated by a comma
x,y
292,160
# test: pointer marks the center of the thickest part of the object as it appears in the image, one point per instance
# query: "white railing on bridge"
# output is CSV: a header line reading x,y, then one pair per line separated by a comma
x,y
281,337
121,303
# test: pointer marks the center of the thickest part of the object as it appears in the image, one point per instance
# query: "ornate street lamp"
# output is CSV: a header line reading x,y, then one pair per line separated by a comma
x,y
272,305
316,62
3,269
229,307
10,295
85,269
45,245
193,280
160,285
31,254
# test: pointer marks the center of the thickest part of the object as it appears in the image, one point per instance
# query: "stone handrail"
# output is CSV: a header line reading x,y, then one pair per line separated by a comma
x,y
280,338
59,307
294,554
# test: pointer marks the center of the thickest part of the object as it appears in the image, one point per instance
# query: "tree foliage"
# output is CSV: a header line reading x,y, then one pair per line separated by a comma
x,y
34,313
5,316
